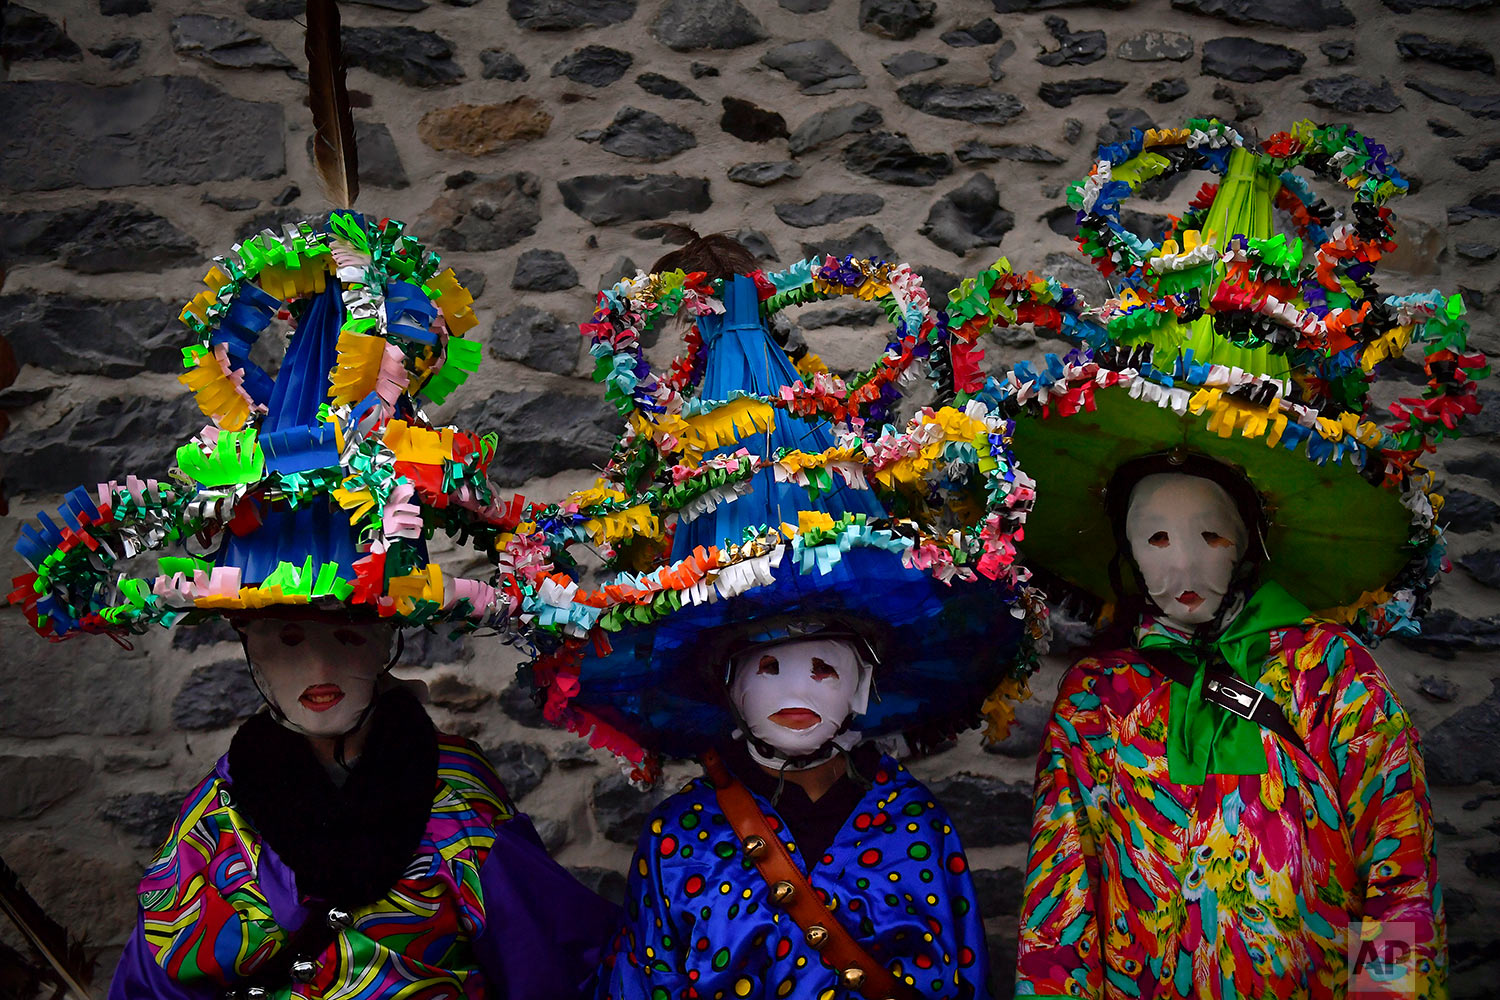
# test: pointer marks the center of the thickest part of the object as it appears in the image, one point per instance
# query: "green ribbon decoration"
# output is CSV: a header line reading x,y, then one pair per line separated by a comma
x,y
1202,738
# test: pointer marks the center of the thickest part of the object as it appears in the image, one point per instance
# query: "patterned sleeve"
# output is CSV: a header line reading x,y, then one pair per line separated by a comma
x,y
204,917
1058,955
644,962
1383,789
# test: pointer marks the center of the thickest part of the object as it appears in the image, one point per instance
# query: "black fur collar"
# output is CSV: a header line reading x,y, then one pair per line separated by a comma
x,y
347,846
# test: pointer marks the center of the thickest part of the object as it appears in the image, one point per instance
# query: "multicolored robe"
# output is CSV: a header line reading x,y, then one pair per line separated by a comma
x,y
698,922
481,911
1244,886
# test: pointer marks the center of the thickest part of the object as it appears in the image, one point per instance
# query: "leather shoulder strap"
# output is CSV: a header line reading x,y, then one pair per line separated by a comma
x,y
1228,692
792,893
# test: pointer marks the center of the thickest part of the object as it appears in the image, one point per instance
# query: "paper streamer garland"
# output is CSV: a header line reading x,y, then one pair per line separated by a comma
x,y
372,453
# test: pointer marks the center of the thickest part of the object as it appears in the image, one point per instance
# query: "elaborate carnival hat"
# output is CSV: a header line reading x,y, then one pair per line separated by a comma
x,y
1258,349
749,502
317,486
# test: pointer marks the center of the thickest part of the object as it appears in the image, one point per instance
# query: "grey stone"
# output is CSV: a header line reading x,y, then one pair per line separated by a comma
x,y
1072,131
1060,93
898,19
604,199
968,217
1352,94
605,881
543,433
843,314
1482,465
1338,51
379,160
890,157
746,121
757,243
1485,205
764,173
206,633
911,61
519,702
95,239
566,15
623,267
937,282
999,890
146,815
1245,60
1439,689
983,32
521,766
816,65
665,87
31,36
1446,632
95,693
1454,55
593,65
1245,107
489,214
975,151
642,135
536,339
221,41
1119,122
962,102
701,70
804,6
1476,251
423,648
216,695
986,812
621,810
76,335
156,131
1168,90
543,271
275,10
121,52
1483,565
1296,15
405,6
1465,747
1480,159
864,242
115,8
1442,129
832,124
827,208
1473,105
997,59
1083,277
97,442
288,194
691,25
458,695
29,786
555,833
1464,511
498,64
1156,46
401,52
1020,6
1075,48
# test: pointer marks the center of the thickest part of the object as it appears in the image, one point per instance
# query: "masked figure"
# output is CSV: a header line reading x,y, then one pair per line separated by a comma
x,y
767,614
342,846
1229,794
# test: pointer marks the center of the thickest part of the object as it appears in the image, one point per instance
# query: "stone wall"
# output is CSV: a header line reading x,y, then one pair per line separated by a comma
x,y
530,141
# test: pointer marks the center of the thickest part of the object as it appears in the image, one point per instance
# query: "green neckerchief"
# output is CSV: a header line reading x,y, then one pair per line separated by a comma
x,y
1202,738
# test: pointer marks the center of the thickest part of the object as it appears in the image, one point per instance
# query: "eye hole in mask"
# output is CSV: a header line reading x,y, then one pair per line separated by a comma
x,y
1161,540
1218,541
823,670
768,665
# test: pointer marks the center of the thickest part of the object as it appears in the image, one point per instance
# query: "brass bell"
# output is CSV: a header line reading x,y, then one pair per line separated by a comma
x,y
817,936
853,977
782,892
754,847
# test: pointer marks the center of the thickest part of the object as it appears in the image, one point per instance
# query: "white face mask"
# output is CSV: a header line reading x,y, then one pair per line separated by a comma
x,y
795,695
1187,537
319,675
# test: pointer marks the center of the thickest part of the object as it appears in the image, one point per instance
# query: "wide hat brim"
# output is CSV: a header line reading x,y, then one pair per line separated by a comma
x,y
943,648
1332,536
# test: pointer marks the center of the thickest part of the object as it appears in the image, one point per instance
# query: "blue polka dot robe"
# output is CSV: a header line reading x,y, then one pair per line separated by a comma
x,y
698,922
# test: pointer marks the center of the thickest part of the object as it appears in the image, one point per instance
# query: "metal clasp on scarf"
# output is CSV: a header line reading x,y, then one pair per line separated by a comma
x,y
1236,696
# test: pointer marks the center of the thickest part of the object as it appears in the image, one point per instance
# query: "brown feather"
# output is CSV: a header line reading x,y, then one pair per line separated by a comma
x,y
63,952
334,152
